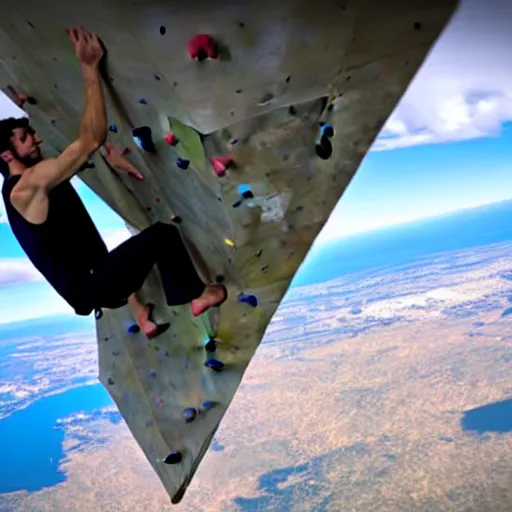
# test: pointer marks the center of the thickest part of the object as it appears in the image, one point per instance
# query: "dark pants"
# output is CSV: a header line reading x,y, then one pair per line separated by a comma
x,y
125,269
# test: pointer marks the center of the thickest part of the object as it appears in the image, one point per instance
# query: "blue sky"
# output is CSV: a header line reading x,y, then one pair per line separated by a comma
x,y
447,146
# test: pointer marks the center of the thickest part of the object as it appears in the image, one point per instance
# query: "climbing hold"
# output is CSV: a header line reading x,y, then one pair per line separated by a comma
x,y
221,164
173,458
142,101
133,329
115,353
182,163
113,128
229,242
203,46
163,30
324,148
171,139
208,404
264,268
157,199
211,345
257,254
190,414
110,381
98,313
248,299
266,100
148,208
176,219
214,364
106,338
148,423
142,137
152,373
245,192
233,141
219,278
327,130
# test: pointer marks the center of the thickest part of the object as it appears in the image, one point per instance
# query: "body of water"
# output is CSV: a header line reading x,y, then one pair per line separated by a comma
x,y
32,442
406,243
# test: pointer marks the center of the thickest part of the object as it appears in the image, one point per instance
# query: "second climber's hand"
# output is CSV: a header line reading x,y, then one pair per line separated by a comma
x,y
88,48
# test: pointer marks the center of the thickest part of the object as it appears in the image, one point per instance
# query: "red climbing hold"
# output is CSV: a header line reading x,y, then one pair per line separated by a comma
x,y
203,47
171,139
221,164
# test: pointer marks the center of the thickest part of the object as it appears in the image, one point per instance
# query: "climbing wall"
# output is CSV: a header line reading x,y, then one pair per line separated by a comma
x,y
247,152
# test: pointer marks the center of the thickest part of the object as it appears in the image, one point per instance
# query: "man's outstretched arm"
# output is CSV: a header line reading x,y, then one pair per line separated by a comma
x,y
93,126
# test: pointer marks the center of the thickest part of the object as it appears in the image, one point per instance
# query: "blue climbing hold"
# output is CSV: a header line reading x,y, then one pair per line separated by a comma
x,y
133,329
190,414
142,101
327,131
182,164
152,373
113,128
214,364
143,138
243,188
98,313
208,404
248,299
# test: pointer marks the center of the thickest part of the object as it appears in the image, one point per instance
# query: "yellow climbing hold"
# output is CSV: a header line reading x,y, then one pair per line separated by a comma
x,y
229,242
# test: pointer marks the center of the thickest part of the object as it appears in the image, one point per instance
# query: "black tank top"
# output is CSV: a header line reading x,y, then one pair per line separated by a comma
x,y
64,248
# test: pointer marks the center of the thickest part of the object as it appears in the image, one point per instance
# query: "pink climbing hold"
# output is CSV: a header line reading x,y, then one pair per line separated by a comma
x,y
171,139
203,47
221,164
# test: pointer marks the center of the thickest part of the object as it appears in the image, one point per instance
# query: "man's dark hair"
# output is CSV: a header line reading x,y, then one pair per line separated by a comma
x,y
7,127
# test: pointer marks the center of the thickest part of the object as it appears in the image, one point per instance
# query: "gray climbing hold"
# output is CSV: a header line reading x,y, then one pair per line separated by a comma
x,y
115,353
148,423
110,381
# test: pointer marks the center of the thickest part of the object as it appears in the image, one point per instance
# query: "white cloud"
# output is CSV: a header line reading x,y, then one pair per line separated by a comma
x,y
21,270
464,89
18,270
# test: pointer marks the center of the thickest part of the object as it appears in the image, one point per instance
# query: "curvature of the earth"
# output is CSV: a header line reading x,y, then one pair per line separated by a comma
x,y
381,391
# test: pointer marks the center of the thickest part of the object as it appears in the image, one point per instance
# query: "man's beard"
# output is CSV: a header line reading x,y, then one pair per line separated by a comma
x,y
29,160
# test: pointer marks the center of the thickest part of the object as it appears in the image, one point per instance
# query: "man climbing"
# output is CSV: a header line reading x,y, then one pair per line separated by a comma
x,y
53,227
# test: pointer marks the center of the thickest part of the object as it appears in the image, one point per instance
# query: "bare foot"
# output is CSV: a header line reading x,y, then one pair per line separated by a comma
x,y
148,327
213,295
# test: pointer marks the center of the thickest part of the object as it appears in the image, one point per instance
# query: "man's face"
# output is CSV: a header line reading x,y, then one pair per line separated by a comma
x,y
25,146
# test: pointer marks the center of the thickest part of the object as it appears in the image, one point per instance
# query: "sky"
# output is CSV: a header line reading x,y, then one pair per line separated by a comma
x,y
445,147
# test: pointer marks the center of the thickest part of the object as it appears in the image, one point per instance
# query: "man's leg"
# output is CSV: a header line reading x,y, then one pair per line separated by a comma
x,y
125,269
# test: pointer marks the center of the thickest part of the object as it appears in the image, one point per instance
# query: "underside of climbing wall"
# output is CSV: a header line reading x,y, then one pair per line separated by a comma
x,y
246,140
